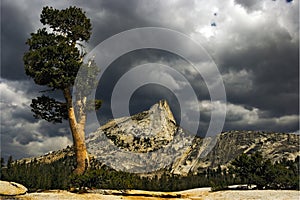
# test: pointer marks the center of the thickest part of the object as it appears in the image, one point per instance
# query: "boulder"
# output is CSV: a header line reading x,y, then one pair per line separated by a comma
x,y
11,188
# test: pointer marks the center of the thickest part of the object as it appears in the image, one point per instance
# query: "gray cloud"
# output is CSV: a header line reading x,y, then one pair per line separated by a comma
x,y
250,5
18,127
273,59
14,31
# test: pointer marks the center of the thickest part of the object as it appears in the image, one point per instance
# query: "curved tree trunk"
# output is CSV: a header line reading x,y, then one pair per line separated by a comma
x,y
77,129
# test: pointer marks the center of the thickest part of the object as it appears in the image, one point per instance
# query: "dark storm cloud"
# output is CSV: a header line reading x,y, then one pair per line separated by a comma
x,y
19,129
114,16
158,92
249,5
15,29
267,52
111,17
274,64
241,117
153,92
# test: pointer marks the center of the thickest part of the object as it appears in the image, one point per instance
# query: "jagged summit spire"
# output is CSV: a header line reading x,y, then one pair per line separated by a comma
x,y
164,109
145,131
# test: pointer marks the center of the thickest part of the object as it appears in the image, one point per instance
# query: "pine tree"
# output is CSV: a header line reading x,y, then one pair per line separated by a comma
x,y
9,162
53,60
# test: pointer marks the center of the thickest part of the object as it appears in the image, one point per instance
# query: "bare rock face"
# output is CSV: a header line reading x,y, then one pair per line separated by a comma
x,y
11,188
144,142
151,140
144,132
229,145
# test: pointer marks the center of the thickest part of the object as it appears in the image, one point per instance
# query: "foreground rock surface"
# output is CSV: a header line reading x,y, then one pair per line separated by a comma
x,y
11,188
201,193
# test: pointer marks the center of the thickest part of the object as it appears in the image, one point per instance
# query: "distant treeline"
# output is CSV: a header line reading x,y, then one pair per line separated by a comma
x,y
246,169
254,169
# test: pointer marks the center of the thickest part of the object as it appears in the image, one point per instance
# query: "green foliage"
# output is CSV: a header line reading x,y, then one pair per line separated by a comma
x,y
110,179
49,109
9,162
35,175
217,186
71,22
254,169
54,59
105,179
58,175
1,168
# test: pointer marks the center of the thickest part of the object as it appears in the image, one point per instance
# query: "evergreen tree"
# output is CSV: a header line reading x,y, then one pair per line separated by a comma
x,y
254,169
53,60
9,162
2,162
242,168
1,167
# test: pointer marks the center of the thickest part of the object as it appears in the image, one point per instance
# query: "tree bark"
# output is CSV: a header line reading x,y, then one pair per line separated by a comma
x,y
77,129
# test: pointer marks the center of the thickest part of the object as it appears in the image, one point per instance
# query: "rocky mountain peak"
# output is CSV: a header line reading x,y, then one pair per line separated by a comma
x,y
143,132
162,109
151,140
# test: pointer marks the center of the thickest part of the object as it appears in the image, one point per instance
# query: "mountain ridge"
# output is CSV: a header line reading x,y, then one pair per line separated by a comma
x,y
151,141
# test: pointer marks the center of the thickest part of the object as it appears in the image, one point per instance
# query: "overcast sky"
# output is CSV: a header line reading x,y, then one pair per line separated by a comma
x,y
254,44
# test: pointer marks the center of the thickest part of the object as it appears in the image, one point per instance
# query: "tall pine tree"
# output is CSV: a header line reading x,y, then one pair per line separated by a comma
x,y
53,60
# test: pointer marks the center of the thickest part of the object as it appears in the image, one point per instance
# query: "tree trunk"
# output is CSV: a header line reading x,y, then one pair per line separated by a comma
x,y
78,135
